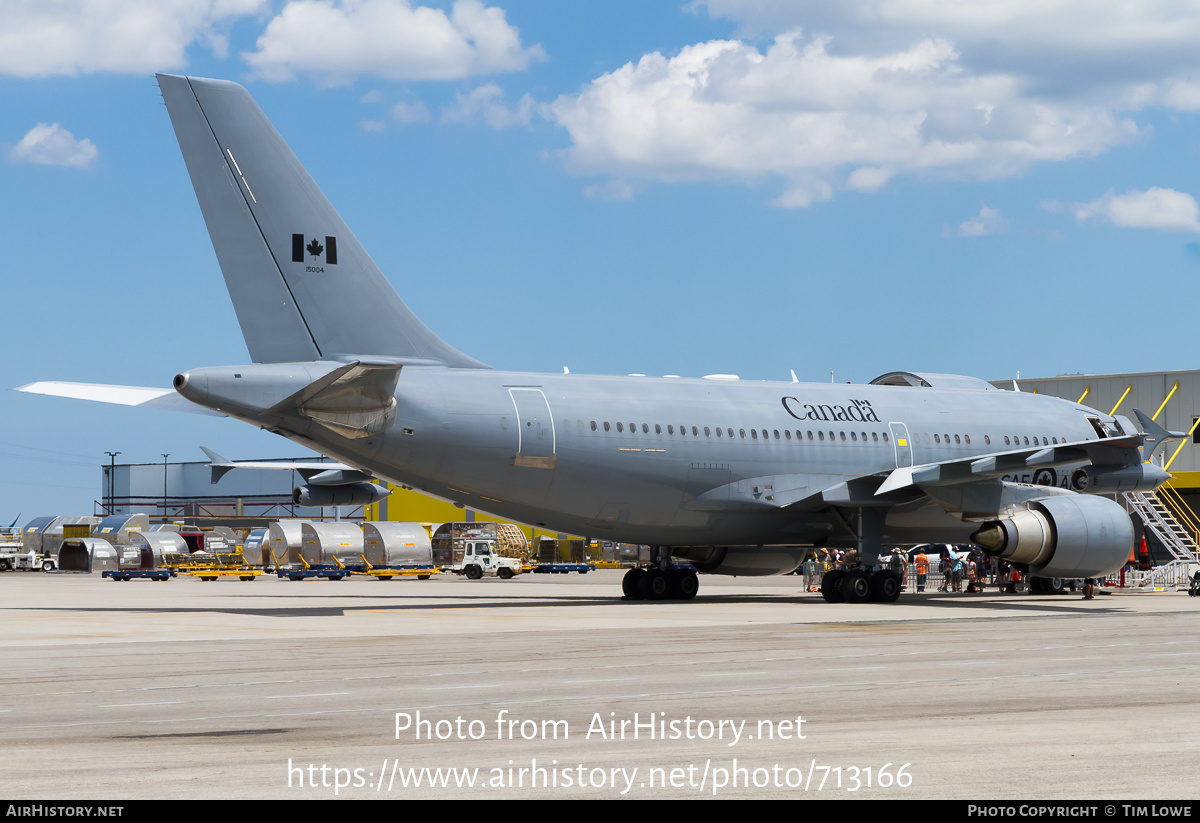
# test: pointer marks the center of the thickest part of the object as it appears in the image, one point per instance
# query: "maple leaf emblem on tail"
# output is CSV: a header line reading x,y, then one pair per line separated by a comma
x,y
314,248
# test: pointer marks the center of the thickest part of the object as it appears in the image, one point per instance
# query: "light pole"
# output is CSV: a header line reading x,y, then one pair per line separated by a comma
x,y
112,477
164,514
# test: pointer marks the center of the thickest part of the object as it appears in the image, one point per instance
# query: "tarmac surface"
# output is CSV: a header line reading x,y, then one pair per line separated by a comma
x,y
552,686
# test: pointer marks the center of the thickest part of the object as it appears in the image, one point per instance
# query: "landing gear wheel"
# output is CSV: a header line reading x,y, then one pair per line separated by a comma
x,y
505,573
631,584
655,585
684,584
885,586
856,586
831,586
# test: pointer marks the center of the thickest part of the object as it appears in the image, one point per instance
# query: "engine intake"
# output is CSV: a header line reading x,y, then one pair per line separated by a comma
x,y
352,494
1062,536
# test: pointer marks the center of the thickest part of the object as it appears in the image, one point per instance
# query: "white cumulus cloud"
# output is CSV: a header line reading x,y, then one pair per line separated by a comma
x,y
819,118
52,145
40,38
988,221
486,105
336,41
1064,47
415,112
1155,208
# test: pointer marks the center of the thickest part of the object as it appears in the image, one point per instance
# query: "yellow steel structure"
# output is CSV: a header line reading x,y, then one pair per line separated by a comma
x,y
409,506
1182,511
1118,404
1164,402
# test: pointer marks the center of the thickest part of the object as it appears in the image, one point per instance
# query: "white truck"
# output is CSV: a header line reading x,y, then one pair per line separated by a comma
x,y
15,555
479,557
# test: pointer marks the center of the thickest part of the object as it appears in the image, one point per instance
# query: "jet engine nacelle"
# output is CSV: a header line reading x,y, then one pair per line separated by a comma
x,y
352,494
757,561
1063,536
1140,477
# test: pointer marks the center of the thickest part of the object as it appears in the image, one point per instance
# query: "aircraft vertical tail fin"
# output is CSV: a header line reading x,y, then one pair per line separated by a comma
x,y
302,285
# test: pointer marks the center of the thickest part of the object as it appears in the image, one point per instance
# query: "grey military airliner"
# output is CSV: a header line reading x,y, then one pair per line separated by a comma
x,y
720,476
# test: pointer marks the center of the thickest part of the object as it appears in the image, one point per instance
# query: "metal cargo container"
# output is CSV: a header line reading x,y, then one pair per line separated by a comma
x,y
31,533
321,542
152,547
87,554
116,528
389,543
283,541
256,547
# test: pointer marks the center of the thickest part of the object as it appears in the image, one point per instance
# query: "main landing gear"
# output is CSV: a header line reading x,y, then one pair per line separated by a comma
x,y
662,581
858,584
861,586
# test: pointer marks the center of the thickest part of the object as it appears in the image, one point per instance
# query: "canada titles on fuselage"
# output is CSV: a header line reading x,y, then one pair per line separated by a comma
x,y
858,410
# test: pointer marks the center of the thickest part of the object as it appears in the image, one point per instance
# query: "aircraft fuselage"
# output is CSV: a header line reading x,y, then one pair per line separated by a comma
x,y
665,461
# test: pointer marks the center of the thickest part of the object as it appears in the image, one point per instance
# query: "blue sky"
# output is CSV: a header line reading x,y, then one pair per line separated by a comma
x,y
734,186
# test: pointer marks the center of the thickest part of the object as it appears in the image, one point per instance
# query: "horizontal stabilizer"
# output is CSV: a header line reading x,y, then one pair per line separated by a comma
x,y
149,398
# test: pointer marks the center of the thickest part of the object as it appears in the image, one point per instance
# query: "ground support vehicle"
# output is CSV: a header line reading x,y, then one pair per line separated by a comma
x,y
563,568
213,574
139,574
420,571
323,572
24,561
479,558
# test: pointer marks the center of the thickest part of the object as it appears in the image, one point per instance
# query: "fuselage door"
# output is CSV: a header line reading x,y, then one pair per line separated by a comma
x,y
535,429
904,455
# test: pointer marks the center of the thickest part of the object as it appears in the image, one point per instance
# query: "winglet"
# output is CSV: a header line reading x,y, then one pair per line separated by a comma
x,y
1156,435
218,464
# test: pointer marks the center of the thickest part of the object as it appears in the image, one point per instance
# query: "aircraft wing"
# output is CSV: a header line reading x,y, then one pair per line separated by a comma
x,y
328,473
146,397
967,485
1114,451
